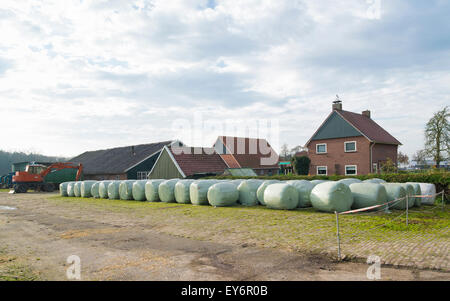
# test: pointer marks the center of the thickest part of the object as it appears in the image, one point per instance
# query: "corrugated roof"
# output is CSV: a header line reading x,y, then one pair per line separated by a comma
x,y
368,127
117,160
198,160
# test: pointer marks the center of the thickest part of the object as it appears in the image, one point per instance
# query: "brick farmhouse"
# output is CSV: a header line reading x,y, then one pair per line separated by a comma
x,y
349,144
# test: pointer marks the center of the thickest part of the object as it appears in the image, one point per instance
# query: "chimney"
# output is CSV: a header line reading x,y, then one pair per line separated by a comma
x,y
337,105
366,113
133,152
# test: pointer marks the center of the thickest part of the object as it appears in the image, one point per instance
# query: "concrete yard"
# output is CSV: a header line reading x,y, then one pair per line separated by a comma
x,y
128,240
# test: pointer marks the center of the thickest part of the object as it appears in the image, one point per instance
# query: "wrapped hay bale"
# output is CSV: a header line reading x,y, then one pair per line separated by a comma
x,y
410,193
395,191
86,188
103,189
247,192
77,189
417,192
331,197
262,188
317,182
138,190
63,189
95,193
428,189
281,196
375,180
151,190
198,191
368,195
223,195
182,191
113,190
350,181
71,189
166,191
304,189
126,190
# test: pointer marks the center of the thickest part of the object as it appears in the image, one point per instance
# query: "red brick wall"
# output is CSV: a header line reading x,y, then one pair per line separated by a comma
x,y
336,155
381,152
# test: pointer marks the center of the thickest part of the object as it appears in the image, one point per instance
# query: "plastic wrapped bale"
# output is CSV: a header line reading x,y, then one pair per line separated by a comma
x,y
77,189
182,191
262,188
350,181
63,189
428,189
317,182
95,190
304,189
138,190
331,197
247,192
71,189
368,195
394,192
166,191
410,193
281,196
417,192
198,191
375,180
235,182
86,188
113,190
223,195
151,190
126,190
103,189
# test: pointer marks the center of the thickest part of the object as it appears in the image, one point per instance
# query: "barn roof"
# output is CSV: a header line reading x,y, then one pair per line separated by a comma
x,y
198,160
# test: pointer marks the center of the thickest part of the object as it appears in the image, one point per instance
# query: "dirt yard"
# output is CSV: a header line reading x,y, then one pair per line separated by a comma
x,y
119,240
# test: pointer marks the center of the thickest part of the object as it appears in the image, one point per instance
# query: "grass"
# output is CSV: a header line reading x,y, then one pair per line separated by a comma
x,y
5,190
11,269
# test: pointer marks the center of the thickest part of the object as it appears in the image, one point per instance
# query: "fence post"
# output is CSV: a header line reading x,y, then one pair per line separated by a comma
x,y
443,200
338,235
407,210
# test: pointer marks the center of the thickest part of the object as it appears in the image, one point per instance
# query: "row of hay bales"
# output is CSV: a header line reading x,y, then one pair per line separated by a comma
x,y
327,196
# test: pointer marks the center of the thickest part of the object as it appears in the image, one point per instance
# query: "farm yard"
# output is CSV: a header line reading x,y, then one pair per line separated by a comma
x,y
130,240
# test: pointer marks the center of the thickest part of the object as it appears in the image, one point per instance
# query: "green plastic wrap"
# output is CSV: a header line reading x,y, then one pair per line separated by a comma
x,y
166,191
368,195
350,181
126,190
395,191
103,189
304,189
375,180
410,193
223,195
86,188
95,190
317,182
281,196
331,197
417,191
63,189
113,190
198,191
247,192
71,189
138,190
77,189
262,189
428,189
182,191
151,190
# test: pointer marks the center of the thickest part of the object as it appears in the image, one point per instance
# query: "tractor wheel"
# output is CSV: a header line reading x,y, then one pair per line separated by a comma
x,y
48,187
20,188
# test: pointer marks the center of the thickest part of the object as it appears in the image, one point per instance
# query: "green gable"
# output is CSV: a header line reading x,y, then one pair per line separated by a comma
x,y
146,165
165,168
336,127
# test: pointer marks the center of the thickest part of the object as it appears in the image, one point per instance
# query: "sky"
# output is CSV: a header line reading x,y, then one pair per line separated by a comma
x,y
86,75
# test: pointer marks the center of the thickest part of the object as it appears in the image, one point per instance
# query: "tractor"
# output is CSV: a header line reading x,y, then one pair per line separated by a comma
x,y
36,177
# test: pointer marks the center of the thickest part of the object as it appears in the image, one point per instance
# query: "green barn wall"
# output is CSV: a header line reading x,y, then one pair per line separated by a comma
x,y
146,165
336,127
165,168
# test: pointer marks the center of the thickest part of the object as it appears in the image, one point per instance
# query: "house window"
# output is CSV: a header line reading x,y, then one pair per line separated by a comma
x,y
321,148
350,146
142,175
322,170
351,170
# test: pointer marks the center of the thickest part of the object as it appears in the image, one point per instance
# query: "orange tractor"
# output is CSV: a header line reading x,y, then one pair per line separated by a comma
x,y
34,177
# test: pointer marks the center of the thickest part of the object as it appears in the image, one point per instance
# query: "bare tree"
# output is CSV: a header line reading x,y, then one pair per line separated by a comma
x,y
403,158
420,157
285,151
437,136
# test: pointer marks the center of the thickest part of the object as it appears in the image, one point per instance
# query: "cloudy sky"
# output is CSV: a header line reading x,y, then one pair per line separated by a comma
x,y
84,75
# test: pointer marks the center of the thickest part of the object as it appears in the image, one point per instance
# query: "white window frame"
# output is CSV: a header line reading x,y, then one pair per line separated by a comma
x,y
345,147
141,173
326,170
356,170
326,149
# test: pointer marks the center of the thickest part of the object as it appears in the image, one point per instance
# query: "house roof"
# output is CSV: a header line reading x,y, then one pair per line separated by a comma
x,y
248,152
230,161
197,160
117,160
